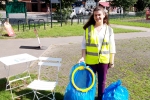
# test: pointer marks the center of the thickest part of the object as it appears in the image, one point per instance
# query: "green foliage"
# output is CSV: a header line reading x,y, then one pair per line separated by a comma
x,y
65,14
141,4
67,3
140,13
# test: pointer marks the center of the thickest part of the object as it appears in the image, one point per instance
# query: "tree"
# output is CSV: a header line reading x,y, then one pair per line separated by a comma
x,y
125,4
65,9
141,4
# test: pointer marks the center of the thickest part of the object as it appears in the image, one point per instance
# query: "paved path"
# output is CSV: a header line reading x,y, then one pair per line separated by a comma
x,y
12,46
145,33
131,27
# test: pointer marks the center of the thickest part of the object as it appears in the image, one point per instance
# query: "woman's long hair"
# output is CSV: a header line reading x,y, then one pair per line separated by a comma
x,y
91,20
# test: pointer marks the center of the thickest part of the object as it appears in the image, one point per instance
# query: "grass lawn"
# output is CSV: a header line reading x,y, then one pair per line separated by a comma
x,y
131,22
56,31
131,60
131,66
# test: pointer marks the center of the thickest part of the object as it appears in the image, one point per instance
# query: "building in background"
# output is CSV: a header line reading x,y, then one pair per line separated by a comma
x,y
90,4
35,5
31,5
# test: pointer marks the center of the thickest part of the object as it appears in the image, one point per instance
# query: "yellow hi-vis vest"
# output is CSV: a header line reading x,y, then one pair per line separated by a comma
x,y
93,54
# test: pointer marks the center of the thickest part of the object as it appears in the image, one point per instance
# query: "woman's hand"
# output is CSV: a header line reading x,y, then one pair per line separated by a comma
x,y
81,60
111,60
110,65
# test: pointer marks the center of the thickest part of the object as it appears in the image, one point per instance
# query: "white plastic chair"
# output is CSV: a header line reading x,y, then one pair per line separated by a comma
x,y
42,83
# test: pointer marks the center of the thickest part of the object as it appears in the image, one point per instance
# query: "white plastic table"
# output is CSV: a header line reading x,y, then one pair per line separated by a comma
x,y
16,59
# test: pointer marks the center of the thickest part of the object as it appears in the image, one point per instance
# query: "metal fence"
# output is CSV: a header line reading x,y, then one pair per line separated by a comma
x,y
45,19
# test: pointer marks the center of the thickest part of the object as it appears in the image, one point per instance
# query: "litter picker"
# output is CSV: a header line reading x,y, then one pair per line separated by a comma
x,y
40,47
35,31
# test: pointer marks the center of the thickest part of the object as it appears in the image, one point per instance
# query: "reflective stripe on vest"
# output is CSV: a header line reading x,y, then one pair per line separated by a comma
x,y
93,55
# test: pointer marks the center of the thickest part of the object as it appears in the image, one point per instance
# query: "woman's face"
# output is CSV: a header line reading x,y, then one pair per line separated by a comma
x,y
98,16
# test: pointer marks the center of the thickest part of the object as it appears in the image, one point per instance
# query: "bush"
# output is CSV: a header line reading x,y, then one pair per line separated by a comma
x,y
65,14
140,14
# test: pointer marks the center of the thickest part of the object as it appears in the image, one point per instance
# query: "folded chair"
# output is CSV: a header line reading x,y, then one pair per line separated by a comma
x,y
47,80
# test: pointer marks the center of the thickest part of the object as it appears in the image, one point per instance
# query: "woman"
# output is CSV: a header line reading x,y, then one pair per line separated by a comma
x,y
98,46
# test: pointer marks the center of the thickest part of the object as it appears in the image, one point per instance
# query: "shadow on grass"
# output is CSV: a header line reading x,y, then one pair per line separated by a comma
x,y
30,96
18,92
3,82
6,35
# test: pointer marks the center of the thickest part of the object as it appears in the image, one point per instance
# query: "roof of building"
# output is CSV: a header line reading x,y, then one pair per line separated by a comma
x,y
104,4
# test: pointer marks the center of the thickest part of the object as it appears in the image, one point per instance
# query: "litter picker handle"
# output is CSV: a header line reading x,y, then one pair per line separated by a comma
x,y
35,31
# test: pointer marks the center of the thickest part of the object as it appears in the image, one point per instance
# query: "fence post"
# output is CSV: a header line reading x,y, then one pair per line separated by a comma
x,y
83,19
71,21
78,19
19,24
31,20
43,22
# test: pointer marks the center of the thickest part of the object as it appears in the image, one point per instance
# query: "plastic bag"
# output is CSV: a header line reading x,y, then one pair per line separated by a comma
x,y
83,79
116,91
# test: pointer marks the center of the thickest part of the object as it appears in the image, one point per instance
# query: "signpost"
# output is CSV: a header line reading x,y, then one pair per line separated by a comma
x,y
51,2
15,7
